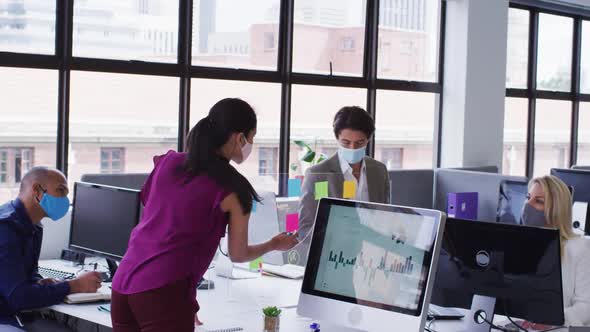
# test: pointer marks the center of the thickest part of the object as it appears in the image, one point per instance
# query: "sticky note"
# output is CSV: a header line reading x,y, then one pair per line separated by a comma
x,y
292,222
294,188
349,189
321,190
254,206
256,264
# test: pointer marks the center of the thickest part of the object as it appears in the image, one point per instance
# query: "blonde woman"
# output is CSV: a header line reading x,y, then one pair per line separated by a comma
x,y
549,204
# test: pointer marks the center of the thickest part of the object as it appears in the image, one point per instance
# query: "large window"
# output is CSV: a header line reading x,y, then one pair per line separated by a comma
x,y
585,72
329,37
126,29
27,26
555,53
141,73
552,135
29,124
236,33
405,120
313,111
515,133
265,98
408,40
553,95
517,48
584,135
131,112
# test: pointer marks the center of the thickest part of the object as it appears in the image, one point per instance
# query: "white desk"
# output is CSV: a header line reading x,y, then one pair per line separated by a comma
x,y
237,303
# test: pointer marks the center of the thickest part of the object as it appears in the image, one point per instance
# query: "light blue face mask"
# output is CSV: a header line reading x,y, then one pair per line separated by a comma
x,y
55,207
352,156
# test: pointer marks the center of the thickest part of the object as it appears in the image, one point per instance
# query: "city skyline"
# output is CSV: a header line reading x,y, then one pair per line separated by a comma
x,y
118,121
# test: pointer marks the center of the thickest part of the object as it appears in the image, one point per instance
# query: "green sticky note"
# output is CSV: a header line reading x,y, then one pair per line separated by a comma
x,y
256,264
321,190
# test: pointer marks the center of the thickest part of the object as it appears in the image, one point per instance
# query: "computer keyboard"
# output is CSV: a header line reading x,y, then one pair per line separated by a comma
x,y
288,270
55,274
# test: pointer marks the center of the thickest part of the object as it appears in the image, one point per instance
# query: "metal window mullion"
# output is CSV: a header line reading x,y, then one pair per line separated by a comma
x,y
370,63
531,87
185,22
576,73
441,77
284,65
63,50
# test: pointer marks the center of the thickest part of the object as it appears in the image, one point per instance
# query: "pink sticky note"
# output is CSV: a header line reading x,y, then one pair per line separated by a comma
x,y
292,222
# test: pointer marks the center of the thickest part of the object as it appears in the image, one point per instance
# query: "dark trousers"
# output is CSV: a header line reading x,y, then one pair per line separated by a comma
x,y
169,308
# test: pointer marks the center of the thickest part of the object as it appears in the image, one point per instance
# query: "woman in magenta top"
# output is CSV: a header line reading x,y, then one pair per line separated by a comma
x,y
189,198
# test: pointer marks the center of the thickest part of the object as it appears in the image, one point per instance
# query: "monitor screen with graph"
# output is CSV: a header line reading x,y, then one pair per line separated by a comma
x,y
373,255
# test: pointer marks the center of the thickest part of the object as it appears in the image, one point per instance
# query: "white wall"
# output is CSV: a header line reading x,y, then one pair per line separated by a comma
x,y
474,84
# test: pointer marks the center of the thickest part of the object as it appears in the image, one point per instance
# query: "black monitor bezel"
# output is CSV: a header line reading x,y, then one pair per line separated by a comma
x,y
500,308
311,270
90,251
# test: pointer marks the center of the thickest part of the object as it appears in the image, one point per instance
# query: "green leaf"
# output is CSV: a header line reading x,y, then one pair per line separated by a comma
x,y
271,311
308,157
302,144
321,158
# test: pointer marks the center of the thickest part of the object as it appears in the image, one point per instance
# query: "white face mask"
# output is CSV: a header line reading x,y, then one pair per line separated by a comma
x,y
245,152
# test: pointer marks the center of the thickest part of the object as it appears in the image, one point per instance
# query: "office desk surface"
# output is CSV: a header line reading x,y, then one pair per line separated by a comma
x,y
238,303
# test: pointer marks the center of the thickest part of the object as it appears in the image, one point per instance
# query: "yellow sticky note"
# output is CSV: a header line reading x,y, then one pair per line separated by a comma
x,y
349,189
321,190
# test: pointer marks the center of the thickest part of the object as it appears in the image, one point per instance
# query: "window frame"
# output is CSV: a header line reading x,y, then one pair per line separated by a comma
x,y
63,62
110,169
532,93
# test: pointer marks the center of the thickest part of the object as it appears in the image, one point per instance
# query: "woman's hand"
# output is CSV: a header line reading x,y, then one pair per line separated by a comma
x,y
284,241
197,321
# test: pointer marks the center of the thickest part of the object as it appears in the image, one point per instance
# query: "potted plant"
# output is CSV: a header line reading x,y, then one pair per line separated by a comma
x,y
272,316
307,156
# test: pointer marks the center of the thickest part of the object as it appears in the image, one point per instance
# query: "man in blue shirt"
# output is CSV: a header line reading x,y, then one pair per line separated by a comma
x,y
43,193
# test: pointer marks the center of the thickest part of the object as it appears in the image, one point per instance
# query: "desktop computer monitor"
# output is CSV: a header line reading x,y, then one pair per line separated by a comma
x,y
370,265
578,179
513,196
102,220
506,269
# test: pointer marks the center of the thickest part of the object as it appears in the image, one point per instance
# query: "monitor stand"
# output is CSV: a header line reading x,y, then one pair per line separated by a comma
x,y
112,264
481,306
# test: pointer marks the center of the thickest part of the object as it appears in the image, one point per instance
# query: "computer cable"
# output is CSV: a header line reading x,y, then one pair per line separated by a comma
x,y
520,327
480,315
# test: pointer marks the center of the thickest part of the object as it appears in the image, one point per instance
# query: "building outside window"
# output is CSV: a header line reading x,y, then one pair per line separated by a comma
x,y
392,157
14,164
111,160
267,161
3,166
23,162
347,44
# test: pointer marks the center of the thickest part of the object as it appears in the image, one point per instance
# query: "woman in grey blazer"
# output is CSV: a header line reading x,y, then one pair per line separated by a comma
x,y
353,128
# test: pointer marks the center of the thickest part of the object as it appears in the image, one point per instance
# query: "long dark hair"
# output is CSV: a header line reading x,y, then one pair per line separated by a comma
x,y
228,116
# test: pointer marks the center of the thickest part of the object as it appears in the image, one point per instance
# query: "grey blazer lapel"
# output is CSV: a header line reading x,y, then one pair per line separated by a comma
x,y
374,181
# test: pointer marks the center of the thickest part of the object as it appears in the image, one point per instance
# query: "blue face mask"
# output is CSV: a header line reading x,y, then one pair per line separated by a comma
x,y
352,156
55,207
532,217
